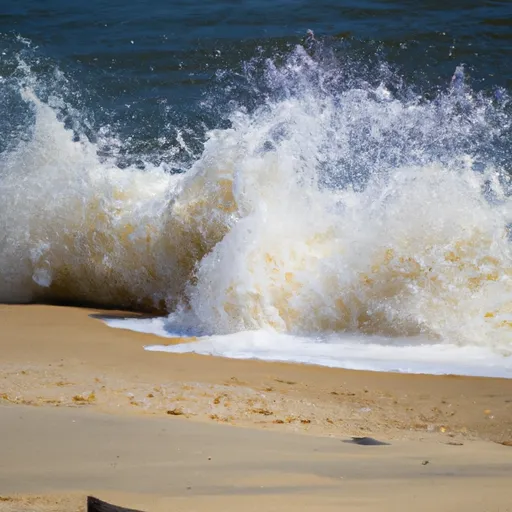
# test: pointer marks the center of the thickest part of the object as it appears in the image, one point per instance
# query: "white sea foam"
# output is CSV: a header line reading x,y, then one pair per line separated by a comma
x,y
352,351
332,221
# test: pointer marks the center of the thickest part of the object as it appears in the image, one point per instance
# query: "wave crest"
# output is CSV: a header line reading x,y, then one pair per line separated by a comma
x,y
335,205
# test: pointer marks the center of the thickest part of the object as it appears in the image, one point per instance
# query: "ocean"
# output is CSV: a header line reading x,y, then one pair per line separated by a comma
x,y
326,183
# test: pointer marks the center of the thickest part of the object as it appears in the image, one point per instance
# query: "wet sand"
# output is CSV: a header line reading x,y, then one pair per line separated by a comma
x,y
85,410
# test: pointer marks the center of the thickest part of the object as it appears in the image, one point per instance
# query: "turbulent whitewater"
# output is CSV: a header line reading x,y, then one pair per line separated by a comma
x,y
340,221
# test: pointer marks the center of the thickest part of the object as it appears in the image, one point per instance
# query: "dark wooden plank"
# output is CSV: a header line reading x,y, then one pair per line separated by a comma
x,y
96,505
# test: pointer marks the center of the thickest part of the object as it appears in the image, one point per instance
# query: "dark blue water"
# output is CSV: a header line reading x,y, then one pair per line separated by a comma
x,y
146,70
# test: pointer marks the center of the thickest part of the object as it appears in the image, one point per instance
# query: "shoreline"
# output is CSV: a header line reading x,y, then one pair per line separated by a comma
x,y
86,410
65,356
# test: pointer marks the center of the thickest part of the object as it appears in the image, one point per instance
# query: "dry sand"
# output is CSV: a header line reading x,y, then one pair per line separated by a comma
x,y
83,409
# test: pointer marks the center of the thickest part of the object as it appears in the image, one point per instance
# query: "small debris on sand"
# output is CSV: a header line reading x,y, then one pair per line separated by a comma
x,y
367,441
175,412
96,505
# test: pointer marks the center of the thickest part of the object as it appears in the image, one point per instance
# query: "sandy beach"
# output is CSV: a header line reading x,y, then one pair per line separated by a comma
x,y
272,187
85,410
